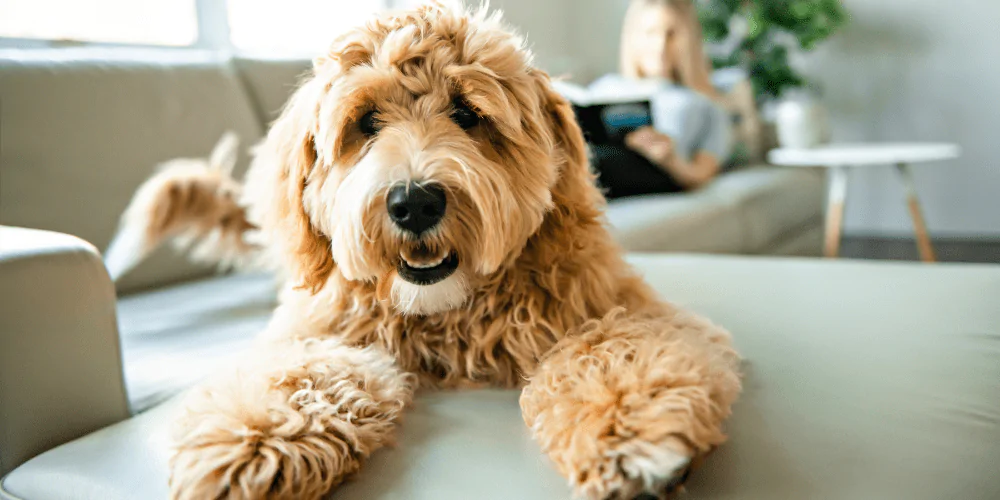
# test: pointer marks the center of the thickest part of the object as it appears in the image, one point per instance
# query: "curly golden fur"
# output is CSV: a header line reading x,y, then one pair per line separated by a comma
x,y
620,389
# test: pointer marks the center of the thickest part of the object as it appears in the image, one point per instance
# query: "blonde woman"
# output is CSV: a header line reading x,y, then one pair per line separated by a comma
x,y
662,55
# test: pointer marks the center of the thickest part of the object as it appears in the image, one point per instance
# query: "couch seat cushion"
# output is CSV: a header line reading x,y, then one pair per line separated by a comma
x,y
174,336
692,222
748,210
862,380
773,202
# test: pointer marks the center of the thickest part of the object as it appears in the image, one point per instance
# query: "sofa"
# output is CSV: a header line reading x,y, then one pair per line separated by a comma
x,y
862,380
83,127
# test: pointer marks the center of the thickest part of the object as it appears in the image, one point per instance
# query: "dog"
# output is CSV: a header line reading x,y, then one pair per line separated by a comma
x,y
426,199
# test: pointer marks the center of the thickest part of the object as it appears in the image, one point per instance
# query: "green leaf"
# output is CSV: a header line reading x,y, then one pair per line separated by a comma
x,y
802,10
766,61
758,23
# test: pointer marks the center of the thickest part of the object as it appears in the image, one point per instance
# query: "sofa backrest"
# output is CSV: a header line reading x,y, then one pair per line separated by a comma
x,y
82,128
269,82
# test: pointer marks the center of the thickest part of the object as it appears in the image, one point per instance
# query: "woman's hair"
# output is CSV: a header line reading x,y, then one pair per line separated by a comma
x,y
692,70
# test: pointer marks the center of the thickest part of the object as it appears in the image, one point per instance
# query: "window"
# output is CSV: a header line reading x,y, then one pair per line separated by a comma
x,y
284,27
294,26
153,22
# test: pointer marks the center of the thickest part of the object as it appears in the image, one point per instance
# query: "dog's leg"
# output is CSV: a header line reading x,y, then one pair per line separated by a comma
x,y
623,406
292,424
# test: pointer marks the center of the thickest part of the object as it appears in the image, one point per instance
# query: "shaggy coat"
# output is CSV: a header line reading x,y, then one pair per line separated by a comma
x,y
621,390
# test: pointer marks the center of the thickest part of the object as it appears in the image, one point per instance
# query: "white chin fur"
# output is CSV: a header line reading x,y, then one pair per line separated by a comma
x,y
421,300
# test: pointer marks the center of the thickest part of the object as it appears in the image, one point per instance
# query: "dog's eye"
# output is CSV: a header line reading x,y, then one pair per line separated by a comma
x,y
369,124
464,116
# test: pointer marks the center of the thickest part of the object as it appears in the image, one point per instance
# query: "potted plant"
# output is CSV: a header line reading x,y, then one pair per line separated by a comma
x,y
756,35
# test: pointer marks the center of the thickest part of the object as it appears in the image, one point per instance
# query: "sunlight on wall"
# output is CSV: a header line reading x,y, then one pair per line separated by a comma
x,y
298,26
155,22
271,26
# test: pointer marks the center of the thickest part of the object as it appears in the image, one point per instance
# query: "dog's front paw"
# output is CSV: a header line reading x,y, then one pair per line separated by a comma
x,y
251,465
292,422
632,469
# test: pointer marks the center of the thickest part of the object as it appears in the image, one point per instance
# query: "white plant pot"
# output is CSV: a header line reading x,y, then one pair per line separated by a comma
x,y
801,123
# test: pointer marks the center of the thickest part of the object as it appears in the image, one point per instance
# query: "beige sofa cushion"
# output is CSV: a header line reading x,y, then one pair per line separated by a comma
x,y
862,381
773,202
82,128
749,210
270,82
60,366
692,222
176,335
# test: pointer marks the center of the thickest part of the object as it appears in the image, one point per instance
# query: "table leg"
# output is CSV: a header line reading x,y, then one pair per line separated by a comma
x,y
835,210
919,226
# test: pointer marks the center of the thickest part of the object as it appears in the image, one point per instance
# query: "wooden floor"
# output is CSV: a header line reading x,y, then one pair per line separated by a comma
x,y
855,247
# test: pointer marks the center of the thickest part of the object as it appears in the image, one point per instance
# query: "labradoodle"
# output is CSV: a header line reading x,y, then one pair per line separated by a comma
x,y
426,198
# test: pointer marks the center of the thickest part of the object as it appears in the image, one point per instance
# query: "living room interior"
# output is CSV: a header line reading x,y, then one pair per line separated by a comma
x,y
853,250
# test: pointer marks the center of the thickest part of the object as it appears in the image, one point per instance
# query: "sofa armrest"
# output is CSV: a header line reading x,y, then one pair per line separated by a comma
x,y
60,360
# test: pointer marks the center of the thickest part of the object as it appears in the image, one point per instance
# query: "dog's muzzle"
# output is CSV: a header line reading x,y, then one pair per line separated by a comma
x,y
416,209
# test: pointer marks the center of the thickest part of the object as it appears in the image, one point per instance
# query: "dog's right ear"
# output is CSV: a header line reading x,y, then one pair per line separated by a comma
x,y
275,184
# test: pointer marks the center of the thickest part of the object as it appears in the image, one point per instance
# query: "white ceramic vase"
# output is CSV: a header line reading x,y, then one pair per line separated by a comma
x,y
801,123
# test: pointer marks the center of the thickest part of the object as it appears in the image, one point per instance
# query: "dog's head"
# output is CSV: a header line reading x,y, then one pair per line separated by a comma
x,y
421,154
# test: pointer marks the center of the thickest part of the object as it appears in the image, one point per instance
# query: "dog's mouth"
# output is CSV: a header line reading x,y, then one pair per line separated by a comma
x,y
421,266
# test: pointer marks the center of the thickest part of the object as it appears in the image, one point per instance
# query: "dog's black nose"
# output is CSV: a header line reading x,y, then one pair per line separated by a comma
x,y
416,208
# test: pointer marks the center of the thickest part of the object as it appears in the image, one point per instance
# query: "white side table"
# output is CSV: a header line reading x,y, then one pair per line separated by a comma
x,y
839,157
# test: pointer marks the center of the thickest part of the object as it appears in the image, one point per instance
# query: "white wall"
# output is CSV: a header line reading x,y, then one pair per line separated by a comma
x,y
596,33
919,70
546,27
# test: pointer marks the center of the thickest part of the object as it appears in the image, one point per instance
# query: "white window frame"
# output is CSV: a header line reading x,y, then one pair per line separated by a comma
x,y
213,33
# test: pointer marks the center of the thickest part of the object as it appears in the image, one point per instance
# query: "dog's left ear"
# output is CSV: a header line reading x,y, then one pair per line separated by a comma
x,y
576,190
277,179
562,120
